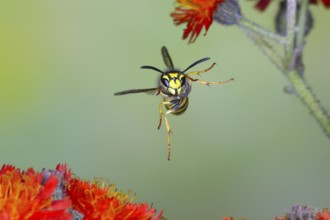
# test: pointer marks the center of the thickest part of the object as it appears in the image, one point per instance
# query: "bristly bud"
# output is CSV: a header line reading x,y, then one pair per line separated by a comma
x,y
280,22
301,212
76,215
227,13
60,191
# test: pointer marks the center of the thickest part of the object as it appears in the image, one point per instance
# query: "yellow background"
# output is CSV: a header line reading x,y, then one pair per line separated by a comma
x,y
245,149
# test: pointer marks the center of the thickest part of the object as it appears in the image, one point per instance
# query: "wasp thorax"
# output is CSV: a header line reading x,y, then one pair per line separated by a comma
x,y
173,82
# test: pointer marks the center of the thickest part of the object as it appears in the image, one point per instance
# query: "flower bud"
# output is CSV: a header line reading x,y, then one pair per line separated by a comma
x,y
228,12
300,212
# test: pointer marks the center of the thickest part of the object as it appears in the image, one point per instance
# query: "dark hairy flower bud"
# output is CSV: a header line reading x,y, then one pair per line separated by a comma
x,y
228,12
76,215
301,212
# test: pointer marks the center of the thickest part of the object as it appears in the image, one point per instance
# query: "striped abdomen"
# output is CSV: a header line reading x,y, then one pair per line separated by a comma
x,y
178,106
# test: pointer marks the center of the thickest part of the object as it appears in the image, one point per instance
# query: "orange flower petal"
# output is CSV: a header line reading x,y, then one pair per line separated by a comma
x,y
197,14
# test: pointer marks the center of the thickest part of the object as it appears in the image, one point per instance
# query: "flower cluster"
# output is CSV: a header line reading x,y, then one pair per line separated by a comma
x,y
199,14
55,195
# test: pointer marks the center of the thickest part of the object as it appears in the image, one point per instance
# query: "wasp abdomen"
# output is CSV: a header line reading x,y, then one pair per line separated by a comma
x,y
178,106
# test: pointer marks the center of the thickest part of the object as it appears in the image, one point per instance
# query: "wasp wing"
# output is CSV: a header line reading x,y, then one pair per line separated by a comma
x,y
132,91
167,59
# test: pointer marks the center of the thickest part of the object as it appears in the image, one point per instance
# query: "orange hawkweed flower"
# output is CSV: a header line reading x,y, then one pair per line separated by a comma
x,y
226,218
281,218
26,195
231,218
55,195
197,14
96,201
323,215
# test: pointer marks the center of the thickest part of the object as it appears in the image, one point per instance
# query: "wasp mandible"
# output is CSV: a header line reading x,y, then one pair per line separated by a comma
x,y
174,87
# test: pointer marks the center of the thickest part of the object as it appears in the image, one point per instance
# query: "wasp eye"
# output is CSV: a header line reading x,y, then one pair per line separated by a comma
x,y
165,82
183,80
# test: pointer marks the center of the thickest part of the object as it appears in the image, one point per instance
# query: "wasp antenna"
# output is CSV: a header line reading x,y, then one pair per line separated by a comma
x,y
152,68
195,63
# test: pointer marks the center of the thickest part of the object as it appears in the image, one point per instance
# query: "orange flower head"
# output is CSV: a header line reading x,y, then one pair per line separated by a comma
x,y
99,201
197,14
226,218
23,196
323,215
230,218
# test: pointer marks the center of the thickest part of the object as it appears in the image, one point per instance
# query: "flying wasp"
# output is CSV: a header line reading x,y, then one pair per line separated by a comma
x,y
174,87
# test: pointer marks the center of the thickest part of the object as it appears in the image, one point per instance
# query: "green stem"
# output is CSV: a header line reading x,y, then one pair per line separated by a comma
x,y
261,31
293,44
301,23
307,96
294,50
265,47
290,30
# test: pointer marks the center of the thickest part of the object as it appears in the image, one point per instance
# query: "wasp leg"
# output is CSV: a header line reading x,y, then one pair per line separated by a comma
x,y
208,83
168,128
161,113
202,71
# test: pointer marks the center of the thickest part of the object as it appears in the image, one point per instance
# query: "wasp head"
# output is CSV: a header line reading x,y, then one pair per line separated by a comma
x,y
173,82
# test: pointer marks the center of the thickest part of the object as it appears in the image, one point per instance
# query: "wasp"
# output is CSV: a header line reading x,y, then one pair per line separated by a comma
x,y
174,87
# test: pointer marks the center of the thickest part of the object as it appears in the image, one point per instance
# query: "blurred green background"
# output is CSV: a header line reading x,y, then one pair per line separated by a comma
x,y
245,149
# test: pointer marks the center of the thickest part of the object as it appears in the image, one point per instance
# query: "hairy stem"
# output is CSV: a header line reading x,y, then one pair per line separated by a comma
x,y
291,63
301,23
265,47
290,30
261,31
302,90
307,96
